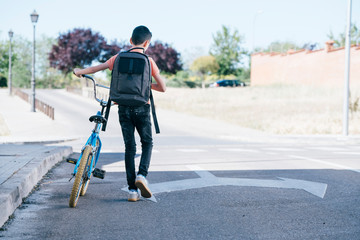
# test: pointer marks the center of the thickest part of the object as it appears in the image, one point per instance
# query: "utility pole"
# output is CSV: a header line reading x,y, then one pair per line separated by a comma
x,y
347,72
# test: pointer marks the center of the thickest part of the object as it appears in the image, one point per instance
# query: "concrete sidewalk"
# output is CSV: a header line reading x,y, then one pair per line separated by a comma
x,y
23,165
24,126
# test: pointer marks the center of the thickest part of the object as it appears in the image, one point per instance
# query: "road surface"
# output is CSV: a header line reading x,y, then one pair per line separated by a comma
x,y
205,188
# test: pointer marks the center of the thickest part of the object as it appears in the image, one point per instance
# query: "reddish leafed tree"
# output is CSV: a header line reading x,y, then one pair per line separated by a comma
x,y
77,48
113,49
166,57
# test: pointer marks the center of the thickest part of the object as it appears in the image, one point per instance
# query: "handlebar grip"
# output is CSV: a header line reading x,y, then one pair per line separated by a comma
x,y
87,76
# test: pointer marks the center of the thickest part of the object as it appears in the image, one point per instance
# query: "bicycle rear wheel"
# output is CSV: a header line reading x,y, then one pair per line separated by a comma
x,y
79,177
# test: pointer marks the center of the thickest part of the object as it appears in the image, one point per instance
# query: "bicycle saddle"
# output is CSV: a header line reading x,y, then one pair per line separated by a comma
x,y
97,119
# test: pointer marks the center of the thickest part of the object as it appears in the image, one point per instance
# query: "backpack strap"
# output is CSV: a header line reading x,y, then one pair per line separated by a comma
x,y
107,111
136,48
156,124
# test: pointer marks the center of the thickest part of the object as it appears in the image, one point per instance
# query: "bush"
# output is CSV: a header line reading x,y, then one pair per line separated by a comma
x,y
3,81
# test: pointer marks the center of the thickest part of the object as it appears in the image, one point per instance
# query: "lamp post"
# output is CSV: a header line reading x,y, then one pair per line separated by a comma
x,y
34,18
347,73
11,33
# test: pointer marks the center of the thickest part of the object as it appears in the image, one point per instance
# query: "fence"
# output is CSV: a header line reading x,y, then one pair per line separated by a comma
x,y
39,105
88,92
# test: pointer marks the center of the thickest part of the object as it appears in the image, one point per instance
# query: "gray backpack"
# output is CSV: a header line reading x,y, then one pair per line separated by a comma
x,y
131,81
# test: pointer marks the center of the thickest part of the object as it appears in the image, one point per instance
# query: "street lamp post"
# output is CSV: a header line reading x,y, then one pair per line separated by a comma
x,y
347,72
11,33
34,18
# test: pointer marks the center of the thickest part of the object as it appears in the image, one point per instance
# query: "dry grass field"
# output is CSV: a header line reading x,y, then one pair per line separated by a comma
x,y
272,109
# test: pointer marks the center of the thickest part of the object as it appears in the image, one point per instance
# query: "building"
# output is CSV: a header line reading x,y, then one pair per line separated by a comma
x,y
319,67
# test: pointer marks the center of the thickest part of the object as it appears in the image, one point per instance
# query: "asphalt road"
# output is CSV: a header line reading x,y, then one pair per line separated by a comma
x,y
206,188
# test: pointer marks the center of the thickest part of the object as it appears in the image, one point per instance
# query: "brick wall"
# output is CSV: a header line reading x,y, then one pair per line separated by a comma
x,y
320,67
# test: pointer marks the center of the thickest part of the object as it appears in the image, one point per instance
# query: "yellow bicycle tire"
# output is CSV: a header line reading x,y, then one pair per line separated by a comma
x,y
75,192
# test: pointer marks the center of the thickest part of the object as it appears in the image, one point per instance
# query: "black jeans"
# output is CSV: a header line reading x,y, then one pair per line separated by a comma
x,y
138,118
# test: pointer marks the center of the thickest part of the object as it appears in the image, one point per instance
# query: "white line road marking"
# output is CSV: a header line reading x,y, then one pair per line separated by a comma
x,y
237,150
191,150
350,153
207,179
114,167
326,163
284,149
327,148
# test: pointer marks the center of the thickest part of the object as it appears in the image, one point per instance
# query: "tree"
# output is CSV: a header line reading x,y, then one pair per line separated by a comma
x,y
281,47
109,50
21,66
166,57
340,40
76,48
227,50
4,63
205,65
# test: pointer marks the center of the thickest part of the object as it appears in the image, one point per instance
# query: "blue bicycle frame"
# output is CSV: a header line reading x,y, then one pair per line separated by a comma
x,y
92,141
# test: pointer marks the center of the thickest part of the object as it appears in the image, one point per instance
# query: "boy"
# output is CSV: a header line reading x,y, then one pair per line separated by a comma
x,y
132,118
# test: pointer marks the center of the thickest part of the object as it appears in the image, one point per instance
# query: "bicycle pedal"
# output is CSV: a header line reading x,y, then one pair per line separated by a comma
x,y
99,173
72,160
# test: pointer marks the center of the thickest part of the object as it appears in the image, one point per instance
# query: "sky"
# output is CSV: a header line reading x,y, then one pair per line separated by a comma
x,y
188,25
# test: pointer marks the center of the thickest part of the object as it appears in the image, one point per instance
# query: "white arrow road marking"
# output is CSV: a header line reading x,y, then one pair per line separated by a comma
x,y
209,180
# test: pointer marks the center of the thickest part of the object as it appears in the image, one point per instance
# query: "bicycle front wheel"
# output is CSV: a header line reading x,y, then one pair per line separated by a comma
x,y
79,178
88,168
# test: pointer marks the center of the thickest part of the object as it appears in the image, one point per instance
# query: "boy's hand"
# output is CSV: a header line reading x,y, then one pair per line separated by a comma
x,y
76,72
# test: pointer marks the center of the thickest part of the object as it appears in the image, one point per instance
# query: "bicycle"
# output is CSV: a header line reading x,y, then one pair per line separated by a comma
x,y
85,164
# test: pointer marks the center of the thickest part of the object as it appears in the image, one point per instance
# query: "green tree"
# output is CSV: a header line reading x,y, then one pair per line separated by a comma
x,y
21,58
340,39
281,47
21,69
227,50
4,63
204,65
46,76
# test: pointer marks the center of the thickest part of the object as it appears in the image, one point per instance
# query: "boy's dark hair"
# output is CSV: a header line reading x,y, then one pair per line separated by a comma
x,y
140,35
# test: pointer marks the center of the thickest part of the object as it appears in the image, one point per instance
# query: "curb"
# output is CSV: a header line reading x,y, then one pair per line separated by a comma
x,y
23,181
4,140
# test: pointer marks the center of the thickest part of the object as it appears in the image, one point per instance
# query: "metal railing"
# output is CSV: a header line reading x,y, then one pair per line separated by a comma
x,y
39,105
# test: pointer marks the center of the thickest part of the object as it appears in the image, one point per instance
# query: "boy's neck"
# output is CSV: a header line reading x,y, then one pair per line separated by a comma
x,y
138,46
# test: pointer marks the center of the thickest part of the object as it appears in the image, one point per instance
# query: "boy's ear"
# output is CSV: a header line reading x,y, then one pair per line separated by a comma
x,y
131,42
146,43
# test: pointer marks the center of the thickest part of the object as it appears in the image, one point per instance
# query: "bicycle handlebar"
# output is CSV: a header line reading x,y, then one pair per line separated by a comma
x,y
97,85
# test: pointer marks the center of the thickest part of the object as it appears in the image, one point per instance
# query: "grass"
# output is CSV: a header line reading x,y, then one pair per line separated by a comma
x,y
276,109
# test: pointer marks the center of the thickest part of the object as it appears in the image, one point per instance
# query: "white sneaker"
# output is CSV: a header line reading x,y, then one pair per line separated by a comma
x,y
142,184
133,196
